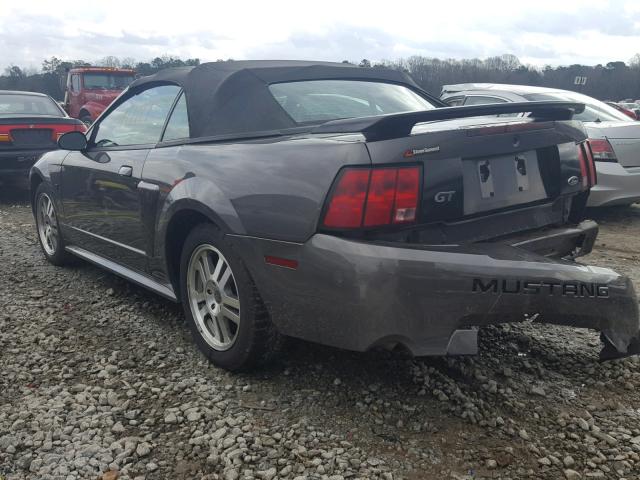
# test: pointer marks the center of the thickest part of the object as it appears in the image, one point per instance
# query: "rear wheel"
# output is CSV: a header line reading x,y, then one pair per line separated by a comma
x,y
47,226
224,311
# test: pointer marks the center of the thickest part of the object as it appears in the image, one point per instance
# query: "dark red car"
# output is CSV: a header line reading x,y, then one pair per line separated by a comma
x,y
30,125
621,108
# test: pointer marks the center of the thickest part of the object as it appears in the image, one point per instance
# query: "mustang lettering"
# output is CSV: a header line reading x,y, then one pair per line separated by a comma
x,y
574,289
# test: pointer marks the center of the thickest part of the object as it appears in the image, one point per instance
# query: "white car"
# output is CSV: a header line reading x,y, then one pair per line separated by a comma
x,y
613,137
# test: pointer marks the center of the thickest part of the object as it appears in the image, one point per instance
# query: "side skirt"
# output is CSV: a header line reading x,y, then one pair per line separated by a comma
x,y
135,277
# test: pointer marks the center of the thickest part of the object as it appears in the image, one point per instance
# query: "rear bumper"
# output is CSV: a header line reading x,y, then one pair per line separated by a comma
x,y
357,295
17,163
617,185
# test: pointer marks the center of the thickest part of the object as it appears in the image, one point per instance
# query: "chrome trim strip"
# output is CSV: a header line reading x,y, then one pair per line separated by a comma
x,y
108,240
135,277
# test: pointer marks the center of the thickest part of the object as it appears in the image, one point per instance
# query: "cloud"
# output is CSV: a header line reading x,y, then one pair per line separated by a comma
x,y
542,32
604,20
335,44
344,43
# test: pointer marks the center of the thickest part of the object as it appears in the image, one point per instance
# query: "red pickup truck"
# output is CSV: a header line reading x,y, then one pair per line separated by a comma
x,y
89,90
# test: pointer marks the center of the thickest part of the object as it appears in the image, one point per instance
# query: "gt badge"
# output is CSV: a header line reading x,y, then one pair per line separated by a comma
x,y
444,197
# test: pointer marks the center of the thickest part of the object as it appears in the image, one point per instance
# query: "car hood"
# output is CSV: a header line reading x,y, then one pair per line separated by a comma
x,y
624,137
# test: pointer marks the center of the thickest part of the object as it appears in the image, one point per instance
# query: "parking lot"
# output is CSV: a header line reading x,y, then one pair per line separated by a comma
x,y
98,375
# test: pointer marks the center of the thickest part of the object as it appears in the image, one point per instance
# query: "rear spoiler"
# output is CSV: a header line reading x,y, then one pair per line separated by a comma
x,y
385,127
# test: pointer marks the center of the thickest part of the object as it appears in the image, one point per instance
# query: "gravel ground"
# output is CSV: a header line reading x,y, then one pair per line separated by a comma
x,y
99,379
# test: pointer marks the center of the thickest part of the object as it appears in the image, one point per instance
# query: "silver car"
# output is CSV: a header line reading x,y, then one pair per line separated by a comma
x,y
613,137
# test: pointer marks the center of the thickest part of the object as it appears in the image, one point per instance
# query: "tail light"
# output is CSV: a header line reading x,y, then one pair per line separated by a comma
x,y
602,150
5,133
587,166
373,197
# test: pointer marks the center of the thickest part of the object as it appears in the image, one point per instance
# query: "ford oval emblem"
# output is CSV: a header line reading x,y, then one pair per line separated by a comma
x,y
573,181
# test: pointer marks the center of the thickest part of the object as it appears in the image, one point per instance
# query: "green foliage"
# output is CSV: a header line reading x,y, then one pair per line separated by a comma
x,y
616,80
51,78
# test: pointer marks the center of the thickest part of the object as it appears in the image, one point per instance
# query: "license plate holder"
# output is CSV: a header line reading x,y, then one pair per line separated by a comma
x,y
501,181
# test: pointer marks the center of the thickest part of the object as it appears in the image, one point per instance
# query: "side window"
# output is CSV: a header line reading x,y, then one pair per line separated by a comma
x,y
178,125
139,120
75,83
454,101
482,100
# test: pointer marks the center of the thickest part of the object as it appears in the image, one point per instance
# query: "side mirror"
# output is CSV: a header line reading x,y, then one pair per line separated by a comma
x,y
75,141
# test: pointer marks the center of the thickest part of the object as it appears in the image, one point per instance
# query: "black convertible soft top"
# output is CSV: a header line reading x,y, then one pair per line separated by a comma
x,y
232,98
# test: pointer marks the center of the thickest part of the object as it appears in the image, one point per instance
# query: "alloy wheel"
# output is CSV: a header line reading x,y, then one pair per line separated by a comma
x,y
213,297
47,224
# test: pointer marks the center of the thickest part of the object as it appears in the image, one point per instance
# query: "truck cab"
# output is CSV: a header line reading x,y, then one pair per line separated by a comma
x,y
90,90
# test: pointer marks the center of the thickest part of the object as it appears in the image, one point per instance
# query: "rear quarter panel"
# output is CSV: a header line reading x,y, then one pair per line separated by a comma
x,y
624,138
272,189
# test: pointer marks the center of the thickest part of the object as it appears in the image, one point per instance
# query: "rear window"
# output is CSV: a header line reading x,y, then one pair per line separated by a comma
x,y
323,100
482,100
453,101
594,111
28,105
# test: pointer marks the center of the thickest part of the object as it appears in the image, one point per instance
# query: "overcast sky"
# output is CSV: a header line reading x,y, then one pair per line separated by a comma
x,y
539,32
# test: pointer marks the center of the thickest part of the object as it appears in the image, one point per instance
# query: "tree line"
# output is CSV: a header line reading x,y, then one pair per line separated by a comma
x,y
613,81
53,73
616,80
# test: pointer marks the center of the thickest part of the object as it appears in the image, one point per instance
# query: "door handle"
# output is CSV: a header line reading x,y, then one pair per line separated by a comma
x,y
125,171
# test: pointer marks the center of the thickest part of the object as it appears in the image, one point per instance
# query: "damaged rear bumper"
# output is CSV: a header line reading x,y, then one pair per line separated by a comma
x,y
431,299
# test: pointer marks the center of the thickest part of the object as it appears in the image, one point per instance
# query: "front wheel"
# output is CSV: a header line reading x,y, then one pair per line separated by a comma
x,y
47,226
224,311
86,119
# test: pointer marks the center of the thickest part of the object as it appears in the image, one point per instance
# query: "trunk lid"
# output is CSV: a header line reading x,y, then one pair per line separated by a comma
x,y
477,166
472,166
624,138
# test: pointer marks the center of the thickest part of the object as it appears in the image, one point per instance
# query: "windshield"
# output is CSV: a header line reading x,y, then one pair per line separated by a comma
x,y
323,100
28,105
594,111
106,81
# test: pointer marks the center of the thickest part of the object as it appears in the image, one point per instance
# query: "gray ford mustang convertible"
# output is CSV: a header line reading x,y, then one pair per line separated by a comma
x,y
335,204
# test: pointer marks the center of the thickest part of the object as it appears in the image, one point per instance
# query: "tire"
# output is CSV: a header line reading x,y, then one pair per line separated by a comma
x,y
225,313
86,119
47,227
